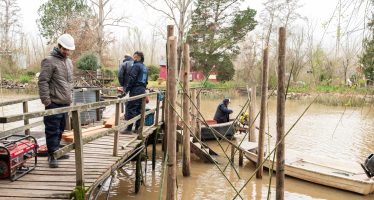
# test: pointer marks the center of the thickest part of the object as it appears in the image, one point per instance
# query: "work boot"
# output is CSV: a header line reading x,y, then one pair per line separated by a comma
x,y
126,132
52,162
63,157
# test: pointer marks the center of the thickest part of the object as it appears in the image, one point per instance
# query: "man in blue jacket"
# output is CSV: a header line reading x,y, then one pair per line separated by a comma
x,y
223,113
138,80
123,72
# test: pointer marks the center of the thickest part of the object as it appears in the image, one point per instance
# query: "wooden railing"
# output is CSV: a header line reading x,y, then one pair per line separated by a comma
x,y
76,124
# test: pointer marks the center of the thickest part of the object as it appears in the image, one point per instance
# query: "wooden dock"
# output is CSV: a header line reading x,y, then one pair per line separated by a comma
x,y
92,157
58,183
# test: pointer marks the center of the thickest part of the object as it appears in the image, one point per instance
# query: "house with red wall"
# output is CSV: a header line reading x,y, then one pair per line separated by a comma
x,y
194,75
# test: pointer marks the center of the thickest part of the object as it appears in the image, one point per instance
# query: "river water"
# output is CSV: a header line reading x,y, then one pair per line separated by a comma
x,y
327,131
331,132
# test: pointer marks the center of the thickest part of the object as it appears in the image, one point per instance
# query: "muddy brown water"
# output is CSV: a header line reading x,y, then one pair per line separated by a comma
x,y
327,131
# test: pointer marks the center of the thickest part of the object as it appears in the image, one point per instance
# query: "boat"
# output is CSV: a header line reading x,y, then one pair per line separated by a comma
x,y
334,173
227,129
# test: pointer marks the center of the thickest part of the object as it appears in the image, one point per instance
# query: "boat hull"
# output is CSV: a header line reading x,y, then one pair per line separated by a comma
x,y
328,172
226,129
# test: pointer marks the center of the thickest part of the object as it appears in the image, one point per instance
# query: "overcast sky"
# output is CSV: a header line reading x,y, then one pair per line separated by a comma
x,y
318,11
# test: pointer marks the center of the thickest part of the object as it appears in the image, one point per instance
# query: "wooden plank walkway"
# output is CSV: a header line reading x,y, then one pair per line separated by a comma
x,y
57,183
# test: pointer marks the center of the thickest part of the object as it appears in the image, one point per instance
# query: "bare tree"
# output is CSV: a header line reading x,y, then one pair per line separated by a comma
x,y
103,12
178,11
9,22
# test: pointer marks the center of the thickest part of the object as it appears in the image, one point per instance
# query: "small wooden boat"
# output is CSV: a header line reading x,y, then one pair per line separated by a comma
x,y
324,171
227,129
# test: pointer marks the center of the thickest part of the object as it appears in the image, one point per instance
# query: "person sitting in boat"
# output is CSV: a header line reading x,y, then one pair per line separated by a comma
x,y
244,119
223,113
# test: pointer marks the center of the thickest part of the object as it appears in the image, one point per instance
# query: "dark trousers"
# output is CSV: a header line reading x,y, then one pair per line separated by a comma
x,y
54,127
134,108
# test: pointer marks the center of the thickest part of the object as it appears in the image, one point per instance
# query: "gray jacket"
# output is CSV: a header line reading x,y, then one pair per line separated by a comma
x,y
56,79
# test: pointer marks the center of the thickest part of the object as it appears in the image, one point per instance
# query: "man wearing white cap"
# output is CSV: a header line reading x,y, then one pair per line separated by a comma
x,y
55,85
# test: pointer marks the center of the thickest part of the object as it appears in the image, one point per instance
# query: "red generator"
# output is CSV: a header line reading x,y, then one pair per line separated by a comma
x,y
17,156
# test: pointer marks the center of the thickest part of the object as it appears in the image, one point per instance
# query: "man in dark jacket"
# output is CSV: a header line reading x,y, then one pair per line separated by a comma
x,y
138,80
55,85
223,113
123,72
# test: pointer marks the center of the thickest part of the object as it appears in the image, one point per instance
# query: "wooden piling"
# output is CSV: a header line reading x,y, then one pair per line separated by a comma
x,y
252,115
194,114
138,169
78,145
240,158
97,94
264,92
170,32
142,120
172,125
25,107
281,114
186,112
116,134
232,154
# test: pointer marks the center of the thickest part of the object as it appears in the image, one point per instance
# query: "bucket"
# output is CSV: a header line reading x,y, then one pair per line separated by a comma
x,y
83,97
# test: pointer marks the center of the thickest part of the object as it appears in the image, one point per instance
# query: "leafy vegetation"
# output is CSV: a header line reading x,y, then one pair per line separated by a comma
x,y
88,62
217,28
153,72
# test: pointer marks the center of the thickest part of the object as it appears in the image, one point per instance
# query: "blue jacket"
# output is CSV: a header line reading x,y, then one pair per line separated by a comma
x,y
138,77
123,72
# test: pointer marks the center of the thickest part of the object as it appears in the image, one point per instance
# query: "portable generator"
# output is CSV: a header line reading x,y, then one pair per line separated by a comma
x,y
17,156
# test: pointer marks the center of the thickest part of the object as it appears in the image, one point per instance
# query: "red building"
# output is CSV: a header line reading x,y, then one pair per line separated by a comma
x,y
194,76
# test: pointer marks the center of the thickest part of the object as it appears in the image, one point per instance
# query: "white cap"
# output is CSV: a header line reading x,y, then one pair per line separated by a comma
x,y
66,41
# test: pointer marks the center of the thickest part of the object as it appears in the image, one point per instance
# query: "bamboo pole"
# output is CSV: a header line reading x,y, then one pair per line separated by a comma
x,y
252,115
194,114
157,118
172,125
170,32
186,112
78,145
25,107
281,115
116,134
198,122
261,135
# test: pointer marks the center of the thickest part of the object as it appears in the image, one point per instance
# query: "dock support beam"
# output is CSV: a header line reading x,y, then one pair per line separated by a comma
x,y
264,94
281,99
78,144
25,106
186,112
116,134
172,125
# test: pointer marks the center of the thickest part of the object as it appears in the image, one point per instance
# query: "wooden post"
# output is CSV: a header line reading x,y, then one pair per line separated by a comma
x,y
194,113
142,120
261,135
232,154
157,110
163,110
281,114
116,134
25,106
240,158
78,145
186,112
97,92
138,173
252,116
170,32
68,121
198,122
172,125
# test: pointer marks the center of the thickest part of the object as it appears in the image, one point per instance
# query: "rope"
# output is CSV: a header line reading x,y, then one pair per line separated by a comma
x,y
276,146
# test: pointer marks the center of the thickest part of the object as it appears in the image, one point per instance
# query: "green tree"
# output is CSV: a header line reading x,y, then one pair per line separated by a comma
x,y
217,28
367,58
57,16
88,61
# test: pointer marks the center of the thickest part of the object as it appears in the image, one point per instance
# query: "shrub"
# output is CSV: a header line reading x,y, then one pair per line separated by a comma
x,y
154,77
88,62
152,70
25,79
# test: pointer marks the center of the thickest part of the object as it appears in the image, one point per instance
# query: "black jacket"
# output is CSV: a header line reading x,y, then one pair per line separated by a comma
x,y
222,113
123,72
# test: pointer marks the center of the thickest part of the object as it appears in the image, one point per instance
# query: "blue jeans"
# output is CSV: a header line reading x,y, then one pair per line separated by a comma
x,y
54,127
